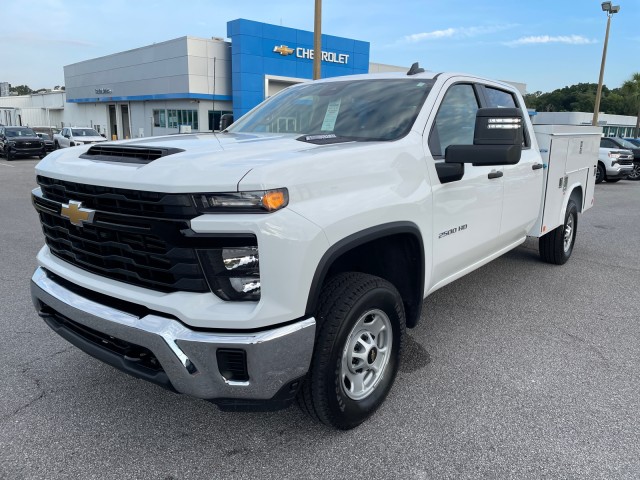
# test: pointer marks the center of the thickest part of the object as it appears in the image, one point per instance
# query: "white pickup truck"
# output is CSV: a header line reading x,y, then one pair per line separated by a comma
x,y
74,136
285,257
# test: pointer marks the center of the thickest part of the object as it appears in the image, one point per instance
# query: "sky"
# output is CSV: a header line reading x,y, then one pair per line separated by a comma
x,y
545,44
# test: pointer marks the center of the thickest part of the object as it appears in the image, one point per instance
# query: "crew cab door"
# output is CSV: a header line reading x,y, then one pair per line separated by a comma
x,y
522,181
63,138
467,211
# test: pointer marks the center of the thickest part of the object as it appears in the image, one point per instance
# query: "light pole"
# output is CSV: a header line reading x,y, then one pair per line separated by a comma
x,y
317,40
610,9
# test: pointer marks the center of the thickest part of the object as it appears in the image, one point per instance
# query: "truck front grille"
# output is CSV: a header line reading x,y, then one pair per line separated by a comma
x,y
145,251
124,201
117,251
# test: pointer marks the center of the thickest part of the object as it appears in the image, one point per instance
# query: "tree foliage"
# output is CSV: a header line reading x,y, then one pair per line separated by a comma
x,y
21,89
624,100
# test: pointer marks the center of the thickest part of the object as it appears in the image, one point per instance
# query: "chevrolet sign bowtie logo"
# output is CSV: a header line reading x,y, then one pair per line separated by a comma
x,y
283,50
76,214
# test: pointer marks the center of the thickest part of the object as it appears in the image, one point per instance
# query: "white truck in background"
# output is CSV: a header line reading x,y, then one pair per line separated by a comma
x,y
74,136
285,257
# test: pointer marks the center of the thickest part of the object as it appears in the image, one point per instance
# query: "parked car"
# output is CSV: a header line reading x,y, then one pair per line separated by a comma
x,y
48,141
614,162
49,130
635,141
73,136
20,142
616,142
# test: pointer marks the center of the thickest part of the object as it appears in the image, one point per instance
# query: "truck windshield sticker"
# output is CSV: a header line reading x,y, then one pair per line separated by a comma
x,y
330,117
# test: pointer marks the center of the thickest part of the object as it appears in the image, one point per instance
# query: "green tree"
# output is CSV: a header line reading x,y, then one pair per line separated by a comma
x,y
21,90
631,90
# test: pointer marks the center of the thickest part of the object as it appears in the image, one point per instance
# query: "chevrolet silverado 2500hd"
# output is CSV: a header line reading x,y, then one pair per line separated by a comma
x,y
285,257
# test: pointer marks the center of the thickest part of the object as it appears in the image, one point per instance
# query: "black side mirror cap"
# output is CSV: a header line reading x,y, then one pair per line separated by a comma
x,y
479,155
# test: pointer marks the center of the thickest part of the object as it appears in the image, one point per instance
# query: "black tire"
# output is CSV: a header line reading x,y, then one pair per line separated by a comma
x,y
601,174
56,145
552,245
613,180
348,301
635,173
9,155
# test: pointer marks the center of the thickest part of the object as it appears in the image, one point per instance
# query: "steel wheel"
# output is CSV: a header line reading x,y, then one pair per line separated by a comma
x,y
568,233
366,354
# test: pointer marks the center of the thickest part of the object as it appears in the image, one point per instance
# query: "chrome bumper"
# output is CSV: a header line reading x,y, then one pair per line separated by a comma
x,y
276,359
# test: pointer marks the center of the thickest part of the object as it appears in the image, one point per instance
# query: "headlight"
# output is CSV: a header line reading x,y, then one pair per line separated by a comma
x,y
76,143
614,155
233,273
12,144
236,202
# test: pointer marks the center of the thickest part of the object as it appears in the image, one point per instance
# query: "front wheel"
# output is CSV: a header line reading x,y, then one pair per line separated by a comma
x,y
10,155
361,327
635,173
557,245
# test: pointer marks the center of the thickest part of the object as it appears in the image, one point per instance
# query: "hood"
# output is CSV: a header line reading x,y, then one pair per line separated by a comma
x,y
191,163
24,138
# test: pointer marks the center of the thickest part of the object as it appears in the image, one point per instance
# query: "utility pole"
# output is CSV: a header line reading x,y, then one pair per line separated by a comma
x,y
610,10
317,40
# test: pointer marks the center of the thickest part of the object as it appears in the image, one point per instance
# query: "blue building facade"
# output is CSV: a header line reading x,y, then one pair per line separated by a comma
x,y
259,50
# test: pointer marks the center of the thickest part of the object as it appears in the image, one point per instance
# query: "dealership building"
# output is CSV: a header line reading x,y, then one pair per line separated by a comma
x,y
188,83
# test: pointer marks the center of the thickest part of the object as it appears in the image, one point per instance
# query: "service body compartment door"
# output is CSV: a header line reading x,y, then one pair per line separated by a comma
x,y
557,183
570,155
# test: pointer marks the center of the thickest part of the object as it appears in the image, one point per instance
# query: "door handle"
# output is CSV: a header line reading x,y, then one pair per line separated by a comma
x,y
537,166
497,174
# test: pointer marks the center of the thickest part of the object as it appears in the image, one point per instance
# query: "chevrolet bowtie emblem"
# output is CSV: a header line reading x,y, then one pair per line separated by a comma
x,y
283,50
76,214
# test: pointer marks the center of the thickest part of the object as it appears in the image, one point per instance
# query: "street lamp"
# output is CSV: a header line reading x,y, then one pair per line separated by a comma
x,y
610,9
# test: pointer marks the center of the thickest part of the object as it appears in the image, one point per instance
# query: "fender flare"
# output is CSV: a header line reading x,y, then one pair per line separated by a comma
x,y
565,202
360,238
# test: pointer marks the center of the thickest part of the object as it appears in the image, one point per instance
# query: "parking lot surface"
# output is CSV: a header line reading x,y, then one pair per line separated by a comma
x,y
518,370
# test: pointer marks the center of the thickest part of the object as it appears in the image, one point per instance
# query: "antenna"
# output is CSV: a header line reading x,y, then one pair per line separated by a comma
x,y
415,68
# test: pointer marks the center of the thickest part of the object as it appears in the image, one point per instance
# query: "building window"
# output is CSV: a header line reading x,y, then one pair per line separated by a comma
x,y
160,118
183,117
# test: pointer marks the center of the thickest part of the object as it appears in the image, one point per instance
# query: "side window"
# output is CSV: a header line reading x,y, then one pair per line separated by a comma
x,y
606,143
455,121
499,98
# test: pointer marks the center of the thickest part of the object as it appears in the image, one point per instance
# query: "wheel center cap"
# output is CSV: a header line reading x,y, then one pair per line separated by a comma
x,y
373,353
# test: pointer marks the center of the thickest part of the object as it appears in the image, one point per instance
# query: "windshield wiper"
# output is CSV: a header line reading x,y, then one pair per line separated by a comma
x,y
328,138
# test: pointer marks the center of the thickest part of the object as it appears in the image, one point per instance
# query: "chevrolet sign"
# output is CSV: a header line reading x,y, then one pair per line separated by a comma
x,y
300,52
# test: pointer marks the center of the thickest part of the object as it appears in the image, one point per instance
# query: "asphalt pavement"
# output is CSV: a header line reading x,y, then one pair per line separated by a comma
x,y
518,370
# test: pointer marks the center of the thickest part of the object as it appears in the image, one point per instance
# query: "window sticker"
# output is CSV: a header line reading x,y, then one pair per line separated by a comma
x,y
330,117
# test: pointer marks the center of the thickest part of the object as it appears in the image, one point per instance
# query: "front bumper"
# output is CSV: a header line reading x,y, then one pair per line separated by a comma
x,y
276,359
619,171
27,152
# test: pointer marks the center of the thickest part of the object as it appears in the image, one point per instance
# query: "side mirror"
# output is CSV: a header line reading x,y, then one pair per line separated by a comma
x,y
497,139
225,121
67,136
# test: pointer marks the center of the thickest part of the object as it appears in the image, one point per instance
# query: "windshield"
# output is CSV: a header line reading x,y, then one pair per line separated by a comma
x,y
43,136
360,110
627,143
20,132
84,132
